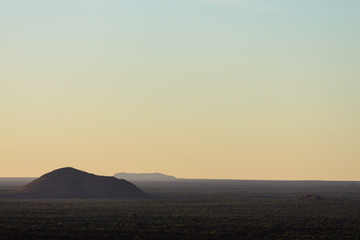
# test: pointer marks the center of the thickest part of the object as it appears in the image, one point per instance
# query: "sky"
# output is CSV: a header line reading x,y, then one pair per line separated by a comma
x,y
231,89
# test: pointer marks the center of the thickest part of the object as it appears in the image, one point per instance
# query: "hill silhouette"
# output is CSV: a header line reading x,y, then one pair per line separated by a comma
x,y
144,176
70,183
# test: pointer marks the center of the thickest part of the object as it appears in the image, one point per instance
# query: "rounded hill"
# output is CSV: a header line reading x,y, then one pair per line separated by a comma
x,y
70,183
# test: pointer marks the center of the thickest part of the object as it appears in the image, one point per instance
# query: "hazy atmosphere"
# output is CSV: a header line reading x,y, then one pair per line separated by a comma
x,y
229,89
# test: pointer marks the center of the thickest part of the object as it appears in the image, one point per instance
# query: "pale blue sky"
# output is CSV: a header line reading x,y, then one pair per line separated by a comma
x,y
163,85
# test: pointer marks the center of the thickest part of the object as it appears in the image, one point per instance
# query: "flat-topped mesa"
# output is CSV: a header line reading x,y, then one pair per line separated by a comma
x,y
70,183
144,176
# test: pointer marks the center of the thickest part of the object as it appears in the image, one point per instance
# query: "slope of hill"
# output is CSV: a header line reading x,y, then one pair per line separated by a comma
x,y
144,176
70,183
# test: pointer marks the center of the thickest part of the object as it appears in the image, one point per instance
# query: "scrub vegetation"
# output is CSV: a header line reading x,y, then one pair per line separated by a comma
x,y
193,210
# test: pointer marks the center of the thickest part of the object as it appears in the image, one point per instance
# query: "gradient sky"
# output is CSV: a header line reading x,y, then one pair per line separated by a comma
x,y
235,89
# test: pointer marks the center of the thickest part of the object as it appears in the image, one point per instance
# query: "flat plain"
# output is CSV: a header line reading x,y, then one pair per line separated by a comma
x,y
193,209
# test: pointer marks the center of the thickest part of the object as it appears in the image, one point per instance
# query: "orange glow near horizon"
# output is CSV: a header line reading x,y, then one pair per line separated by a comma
x,y
231,91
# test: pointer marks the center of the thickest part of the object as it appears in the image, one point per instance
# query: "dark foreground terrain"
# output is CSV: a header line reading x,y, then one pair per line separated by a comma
x,y
194,210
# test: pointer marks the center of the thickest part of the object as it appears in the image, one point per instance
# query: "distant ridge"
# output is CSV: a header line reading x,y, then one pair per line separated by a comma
x,y
70,183
144,176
